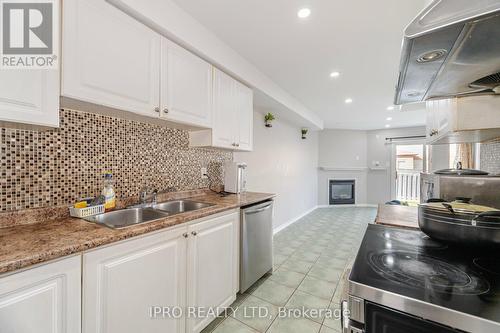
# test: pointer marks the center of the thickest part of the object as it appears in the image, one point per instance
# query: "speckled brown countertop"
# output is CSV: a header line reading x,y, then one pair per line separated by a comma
x,y
29,244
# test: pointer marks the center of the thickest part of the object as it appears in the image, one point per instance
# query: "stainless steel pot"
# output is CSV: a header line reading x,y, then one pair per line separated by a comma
x,y
460,223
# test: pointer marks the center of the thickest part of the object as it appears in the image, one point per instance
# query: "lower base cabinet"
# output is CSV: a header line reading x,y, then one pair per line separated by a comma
x,y
189,267
122,282
213,267
44,299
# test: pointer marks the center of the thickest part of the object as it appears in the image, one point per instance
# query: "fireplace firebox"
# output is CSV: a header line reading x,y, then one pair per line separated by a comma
x,y
342,192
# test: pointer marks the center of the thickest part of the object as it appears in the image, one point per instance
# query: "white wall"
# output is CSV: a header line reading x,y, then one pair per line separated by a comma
x,y
357,151
342,149
283,163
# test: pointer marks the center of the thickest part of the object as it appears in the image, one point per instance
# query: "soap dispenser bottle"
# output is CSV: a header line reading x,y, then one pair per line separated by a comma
x,y
109,192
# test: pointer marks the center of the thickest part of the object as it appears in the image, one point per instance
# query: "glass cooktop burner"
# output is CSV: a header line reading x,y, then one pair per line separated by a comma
x,y
421,271
491,265
406,262
412,239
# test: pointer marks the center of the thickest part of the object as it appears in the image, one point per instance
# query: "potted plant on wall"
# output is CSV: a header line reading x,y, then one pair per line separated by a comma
x,y
268,118
304,133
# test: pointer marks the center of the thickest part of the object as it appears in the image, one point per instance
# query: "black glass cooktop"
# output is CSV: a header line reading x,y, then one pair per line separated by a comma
x,y
409,263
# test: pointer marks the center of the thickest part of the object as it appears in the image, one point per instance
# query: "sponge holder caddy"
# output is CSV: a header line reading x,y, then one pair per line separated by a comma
x,y
87,211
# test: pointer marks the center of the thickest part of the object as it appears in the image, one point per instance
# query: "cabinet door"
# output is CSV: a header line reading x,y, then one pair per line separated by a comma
x,y
122,282
186,86
430,121
45,299
30,97
109,58
224,120
445,116
212,266
244,106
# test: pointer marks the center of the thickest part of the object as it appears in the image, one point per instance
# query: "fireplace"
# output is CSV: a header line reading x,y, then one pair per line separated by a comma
x,y
342,192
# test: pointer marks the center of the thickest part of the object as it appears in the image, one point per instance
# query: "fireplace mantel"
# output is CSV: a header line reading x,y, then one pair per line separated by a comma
x,y
323,168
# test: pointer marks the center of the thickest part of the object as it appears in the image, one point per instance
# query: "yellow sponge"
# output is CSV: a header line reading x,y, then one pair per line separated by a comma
x,y
81,204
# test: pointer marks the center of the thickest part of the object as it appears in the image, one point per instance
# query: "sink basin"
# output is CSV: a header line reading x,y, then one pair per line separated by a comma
x,y
180,206
127,217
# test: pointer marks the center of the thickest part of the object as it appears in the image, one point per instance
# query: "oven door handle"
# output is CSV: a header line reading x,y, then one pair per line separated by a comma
x,y
344,319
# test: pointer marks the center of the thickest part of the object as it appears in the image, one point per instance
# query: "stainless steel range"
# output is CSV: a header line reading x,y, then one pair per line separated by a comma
x,y
403,281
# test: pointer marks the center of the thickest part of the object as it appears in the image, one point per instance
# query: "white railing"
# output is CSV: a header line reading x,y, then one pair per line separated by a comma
x,y
408,185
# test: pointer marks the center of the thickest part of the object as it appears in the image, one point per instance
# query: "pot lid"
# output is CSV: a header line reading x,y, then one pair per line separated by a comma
x,y
461,172
459,207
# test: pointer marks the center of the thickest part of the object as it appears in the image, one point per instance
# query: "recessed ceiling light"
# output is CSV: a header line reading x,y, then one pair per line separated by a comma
x,y
334,74
390,108
432,55
348,100
304,13
388,118
387,125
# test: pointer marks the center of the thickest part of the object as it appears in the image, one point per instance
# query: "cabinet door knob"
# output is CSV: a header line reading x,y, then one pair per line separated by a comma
x,y
237,145
157,109
185,235
194,233
165,110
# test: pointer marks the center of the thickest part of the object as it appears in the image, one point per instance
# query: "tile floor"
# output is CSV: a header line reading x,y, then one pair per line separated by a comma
x,y
309,259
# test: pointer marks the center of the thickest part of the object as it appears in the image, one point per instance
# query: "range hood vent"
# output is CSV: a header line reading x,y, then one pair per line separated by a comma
x,y
490,81
451,49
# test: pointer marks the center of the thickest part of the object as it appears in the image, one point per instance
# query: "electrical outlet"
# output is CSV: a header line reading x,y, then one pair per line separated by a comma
x,y
204,173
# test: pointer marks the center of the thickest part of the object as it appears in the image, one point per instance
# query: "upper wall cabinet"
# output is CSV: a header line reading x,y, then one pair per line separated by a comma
x,y
461,120
186,86
232,125
109,58
30,97
244,106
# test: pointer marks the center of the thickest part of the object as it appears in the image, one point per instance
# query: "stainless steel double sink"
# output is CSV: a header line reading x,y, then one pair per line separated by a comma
x,y
145,213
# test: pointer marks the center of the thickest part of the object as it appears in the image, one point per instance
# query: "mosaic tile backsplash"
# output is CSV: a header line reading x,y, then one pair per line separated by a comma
x,y
490,156
57,167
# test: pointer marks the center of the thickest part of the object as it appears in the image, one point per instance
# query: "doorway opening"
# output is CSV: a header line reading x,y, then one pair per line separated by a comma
x,y
409,161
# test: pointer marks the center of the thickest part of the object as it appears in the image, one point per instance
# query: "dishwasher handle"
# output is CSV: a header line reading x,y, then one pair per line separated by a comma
x,y
259,209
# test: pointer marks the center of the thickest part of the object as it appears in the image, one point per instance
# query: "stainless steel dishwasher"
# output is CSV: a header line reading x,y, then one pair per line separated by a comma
x,y
256,252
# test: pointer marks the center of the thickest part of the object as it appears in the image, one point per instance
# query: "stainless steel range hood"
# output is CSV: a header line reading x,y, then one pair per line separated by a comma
x,y
452,48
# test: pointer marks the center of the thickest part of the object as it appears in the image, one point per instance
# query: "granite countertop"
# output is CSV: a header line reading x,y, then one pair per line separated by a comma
x,y
397,216
28,244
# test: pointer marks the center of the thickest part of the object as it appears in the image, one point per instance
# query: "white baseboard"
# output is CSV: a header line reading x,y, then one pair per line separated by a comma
x,y
292,221
340,206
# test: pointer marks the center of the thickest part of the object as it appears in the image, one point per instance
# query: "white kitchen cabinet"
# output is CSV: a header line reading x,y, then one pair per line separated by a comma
x,y
30,97
122,281
186,86
44,299
232,125
467,119
244,105
109,58
225,113
213,264
439,118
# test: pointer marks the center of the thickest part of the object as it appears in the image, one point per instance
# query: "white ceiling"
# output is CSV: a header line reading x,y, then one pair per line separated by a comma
x,y
359,38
